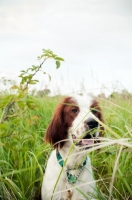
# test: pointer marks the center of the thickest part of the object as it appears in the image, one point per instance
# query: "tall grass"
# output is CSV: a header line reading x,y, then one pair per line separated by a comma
x,y
113,163
23,153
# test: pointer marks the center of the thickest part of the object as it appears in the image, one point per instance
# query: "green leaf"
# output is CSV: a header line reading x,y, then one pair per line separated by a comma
x,y
59,58
57,64
21,75
33,82
14,87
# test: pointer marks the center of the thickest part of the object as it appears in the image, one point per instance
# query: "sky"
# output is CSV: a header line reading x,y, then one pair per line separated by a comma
x,y
93,36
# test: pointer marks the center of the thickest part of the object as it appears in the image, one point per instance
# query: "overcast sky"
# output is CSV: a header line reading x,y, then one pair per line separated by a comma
x,y
93,36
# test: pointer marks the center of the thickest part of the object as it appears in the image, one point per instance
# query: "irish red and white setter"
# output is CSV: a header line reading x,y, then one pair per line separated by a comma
x,y
74,129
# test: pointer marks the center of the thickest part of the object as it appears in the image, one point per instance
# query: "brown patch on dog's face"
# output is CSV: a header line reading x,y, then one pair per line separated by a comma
x,y
64,115
97,111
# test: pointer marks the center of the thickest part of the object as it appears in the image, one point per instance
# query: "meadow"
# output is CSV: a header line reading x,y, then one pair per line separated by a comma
x,y
23,152
24,118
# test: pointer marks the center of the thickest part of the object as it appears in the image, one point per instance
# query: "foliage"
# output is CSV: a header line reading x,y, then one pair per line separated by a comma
x,y
124,94
23,153
28,75
14,102
44,92
21,136
113,161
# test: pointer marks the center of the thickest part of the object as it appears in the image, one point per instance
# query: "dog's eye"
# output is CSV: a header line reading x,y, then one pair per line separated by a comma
x,y
75,110
94,111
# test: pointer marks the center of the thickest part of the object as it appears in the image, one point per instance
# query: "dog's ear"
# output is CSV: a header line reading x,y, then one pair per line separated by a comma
x,y
97,111
56,132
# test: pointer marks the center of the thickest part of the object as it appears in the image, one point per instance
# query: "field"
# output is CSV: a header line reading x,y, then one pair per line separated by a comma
x,y
23,153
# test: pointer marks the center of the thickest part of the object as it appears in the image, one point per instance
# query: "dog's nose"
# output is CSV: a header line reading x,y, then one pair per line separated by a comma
x,y
92,123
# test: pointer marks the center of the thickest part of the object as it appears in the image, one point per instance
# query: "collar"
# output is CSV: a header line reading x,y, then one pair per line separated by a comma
x,y
71,178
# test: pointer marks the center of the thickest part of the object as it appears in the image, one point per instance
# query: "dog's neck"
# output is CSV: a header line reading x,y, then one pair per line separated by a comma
x,y
73,155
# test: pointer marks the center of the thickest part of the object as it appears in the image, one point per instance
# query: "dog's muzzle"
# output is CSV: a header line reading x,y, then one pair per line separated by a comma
x,y
88,138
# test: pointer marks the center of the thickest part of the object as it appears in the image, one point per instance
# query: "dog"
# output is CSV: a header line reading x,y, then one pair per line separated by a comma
x,y
73,129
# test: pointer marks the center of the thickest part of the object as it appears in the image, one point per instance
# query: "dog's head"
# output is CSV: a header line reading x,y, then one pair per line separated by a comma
x,y
76,118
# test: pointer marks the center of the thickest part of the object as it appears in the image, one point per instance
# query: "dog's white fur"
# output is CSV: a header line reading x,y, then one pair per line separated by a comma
x,y
85,182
